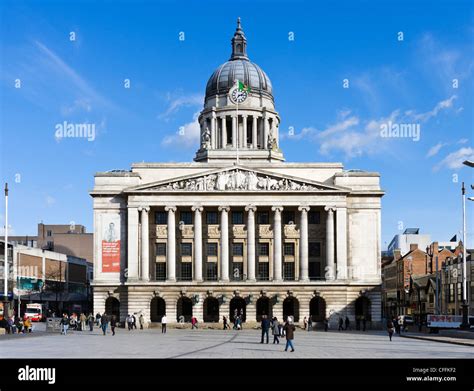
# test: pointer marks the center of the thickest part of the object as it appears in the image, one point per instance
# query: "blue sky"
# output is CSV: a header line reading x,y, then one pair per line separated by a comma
x,y
47,78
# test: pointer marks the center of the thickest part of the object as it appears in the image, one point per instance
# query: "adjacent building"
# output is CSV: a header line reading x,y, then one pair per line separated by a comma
x,y
410,236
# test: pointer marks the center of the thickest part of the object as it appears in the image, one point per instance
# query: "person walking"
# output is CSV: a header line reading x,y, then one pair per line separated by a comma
x,y
104,322
348,323
290,334
91,320
341,322
305,323
83,319
390,329
141,320
265,327
129,322
310,323
326,324
194,322
164,320
224,322
97,319
64,323
113,324
275,325
134,322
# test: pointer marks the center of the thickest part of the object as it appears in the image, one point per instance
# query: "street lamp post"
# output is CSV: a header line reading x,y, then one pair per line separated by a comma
x,y
5,260
465,321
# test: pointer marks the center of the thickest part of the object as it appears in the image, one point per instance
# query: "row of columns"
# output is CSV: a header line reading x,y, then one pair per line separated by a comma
x,y
331,272
240,141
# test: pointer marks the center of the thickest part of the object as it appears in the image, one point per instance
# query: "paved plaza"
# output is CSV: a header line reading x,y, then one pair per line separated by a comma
x,y
223,344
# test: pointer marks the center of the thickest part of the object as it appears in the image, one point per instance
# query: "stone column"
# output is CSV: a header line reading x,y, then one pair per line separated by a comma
x,y
132,244
213,130
244,131
224,266
251,242
265,132
197,243
254,132
277,243
341,243
171,244
304,243
234,131
330,272
224,131
145,244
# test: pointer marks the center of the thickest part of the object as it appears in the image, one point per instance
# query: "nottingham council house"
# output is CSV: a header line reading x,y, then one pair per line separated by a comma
x,y
239,230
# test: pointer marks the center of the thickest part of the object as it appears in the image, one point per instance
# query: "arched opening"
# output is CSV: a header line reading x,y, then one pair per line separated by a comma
x,y
184,308
362,309
291,307
317,309
264,307
237,307
211,310
112,307
157,309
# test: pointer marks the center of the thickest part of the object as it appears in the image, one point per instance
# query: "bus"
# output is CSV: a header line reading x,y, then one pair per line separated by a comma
x,y
34,311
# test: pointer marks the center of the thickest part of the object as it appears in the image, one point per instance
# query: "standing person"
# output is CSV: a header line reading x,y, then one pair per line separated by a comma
x,y
83,319
90,319
141,320
134,321
129,322
310,323
390,329
194,323
404,324
224,322
113,324
326,324
341,322
97,319
305,323
290,334
265,327
103,323
64,324
275,325
397,325
164,320
348,323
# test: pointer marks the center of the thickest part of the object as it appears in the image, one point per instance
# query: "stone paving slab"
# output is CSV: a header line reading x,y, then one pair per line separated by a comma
x,y
224,344
441,338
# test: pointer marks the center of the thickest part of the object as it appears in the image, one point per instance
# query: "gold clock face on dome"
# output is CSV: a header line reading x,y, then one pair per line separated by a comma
x,y
237,96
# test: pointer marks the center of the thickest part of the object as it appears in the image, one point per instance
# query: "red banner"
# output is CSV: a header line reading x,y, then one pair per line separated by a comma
x,y
110,256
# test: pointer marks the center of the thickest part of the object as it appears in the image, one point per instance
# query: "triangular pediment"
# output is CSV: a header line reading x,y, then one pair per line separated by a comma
x,y
235,178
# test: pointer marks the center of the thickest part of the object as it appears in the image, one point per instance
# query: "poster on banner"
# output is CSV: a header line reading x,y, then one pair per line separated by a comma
x,y
111,243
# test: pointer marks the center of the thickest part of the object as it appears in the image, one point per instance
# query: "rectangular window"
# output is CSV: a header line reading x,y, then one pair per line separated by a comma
x,y
262,218
161,218
289,249
186,271
314,249
186,249
160,270
237,271
262,272
237,217
314,270
238,249
211,271
50,246
49,233
212,249
211,218
289,271
161,249
186,217
459,291
263,249
288,217
451,293
314,217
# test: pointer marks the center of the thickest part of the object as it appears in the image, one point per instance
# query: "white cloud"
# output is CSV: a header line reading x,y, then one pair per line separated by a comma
x,y
177,103
186,137
435,149
50,201
454,160
442,105
81,104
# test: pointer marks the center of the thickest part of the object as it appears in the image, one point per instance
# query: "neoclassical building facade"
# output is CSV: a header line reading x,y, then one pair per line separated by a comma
x,y
239,230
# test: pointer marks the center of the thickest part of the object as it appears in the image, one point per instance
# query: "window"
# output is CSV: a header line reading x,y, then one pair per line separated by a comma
x,y
211,271
211,217
161,218
237,217
314,249
451,293
186,249
49,233
262,218
186,271
237,271
431,298
238,249
288,216
161,249
289,249
262,271
212,249
50,246
314,217
263,249
186,217
289,271
459,289
314,270
160,271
